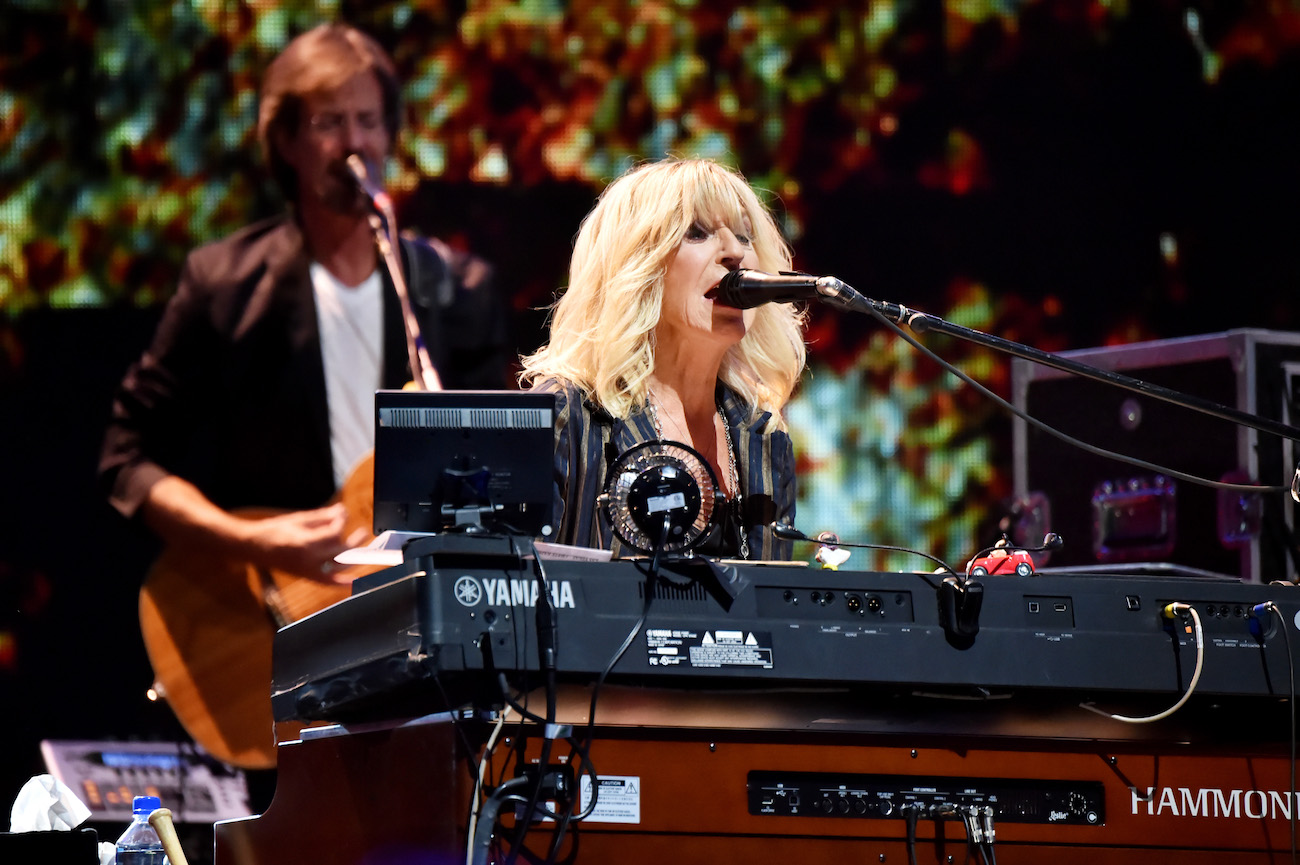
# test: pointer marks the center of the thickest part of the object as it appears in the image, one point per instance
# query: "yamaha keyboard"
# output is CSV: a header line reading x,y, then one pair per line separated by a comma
x,y
461,612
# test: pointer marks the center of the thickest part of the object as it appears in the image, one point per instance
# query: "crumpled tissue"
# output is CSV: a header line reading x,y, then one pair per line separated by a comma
x,y
45,803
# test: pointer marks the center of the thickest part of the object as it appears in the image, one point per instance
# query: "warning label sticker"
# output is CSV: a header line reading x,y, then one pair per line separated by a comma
x,y
618,799
669,647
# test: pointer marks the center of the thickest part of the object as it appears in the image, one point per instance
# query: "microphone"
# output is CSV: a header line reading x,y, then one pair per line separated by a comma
x,y
372,191
787,532
744,289
1051,542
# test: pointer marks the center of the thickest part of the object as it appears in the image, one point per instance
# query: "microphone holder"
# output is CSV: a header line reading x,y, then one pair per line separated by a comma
x,y
960,600
846,297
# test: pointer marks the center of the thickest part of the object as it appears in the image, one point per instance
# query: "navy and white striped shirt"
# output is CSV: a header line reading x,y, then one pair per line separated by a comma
x,y
588,440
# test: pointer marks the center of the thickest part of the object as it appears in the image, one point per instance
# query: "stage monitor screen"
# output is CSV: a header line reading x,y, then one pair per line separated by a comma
x,y
457,460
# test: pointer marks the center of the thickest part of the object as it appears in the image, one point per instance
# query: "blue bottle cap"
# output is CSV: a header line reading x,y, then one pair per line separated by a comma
x,y
145,805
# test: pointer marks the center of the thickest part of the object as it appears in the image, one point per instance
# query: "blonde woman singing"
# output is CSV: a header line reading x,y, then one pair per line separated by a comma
x,y
638,352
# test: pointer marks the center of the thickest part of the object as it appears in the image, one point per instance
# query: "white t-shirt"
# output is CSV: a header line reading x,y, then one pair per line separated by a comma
x,y
351,323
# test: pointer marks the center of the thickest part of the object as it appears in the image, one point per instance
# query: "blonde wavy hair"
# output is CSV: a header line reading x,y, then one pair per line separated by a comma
x,y
603,325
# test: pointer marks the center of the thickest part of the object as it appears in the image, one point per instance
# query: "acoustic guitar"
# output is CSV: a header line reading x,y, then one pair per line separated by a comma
x,y
208,628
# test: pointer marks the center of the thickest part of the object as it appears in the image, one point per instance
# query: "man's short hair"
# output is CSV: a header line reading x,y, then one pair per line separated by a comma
x,y
322,59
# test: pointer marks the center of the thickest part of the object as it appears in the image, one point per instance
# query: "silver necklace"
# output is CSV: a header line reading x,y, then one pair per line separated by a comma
x,y
735,483
732,475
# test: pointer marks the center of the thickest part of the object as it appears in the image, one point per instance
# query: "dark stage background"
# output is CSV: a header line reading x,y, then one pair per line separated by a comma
x,y
1063,174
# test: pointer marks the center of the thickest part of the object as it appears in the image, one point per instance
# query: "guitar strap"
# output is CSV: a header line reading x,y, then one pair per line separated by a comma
x,y
443,291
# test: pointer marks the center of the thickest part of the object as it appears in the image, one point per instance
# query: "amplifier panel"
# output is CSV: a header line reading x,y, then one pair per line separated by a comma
x,y
985,802
705,788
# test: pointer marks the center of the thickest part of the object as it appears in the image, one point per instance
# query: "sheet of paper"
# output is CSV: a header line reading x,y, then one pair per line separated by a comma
x,y
386,549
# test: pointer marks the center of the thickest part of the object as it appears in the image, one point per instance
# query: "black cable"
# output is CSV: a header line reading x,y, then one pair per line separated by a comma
x,y
530,810
547,626
949,810
990,857
563,813
1290,664
652,576
973,837
482,841
505,695
564,810
541,809
456,725
533,859
546,655
1290,661
788,532
504,685
912,815
627,642
1051,541
546,623
893,549
980,836
589,769
519,643
1068,439
659,547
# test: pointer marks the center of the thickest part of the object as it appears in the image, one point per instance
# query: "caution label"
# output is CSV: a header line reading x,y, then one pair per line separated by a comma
x,y
668,647
618,798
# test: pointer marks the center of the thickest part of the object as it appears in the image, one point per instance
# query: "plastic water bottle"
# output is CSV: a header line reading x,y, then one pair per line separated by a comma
x,y
140,844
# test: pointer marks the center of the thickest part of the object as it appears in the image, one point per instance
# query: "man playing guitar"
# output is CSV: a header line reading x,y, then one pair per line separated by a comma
x,y
257,391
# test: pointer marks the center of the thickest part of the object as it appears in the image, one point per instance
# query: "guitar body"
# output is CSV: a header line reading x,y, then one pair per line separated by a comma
x,y
208,627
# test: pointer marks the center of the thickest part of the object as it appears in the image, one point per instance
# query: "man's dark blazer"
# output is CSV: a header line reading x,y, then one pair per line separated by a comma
x,y
230,395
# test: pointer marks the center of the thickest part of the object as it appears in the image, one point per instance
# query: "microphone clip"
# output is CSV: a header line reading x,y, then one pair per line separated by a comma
x,y
960,601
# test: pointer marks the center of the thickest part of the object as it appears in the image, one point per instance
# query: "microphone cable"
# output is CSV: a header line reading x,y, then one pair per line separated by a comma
x,y
652,576
1065,437
787,532
959,596
1051,542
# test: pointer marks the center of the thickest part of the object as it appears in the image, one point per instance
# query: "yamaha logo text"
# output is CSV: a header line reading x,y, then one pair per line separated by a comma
x,y
502,592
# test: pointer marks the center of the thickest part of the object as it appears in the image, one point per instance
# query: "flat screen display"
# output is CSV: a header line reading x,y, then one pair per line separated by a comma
x,y
455,460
